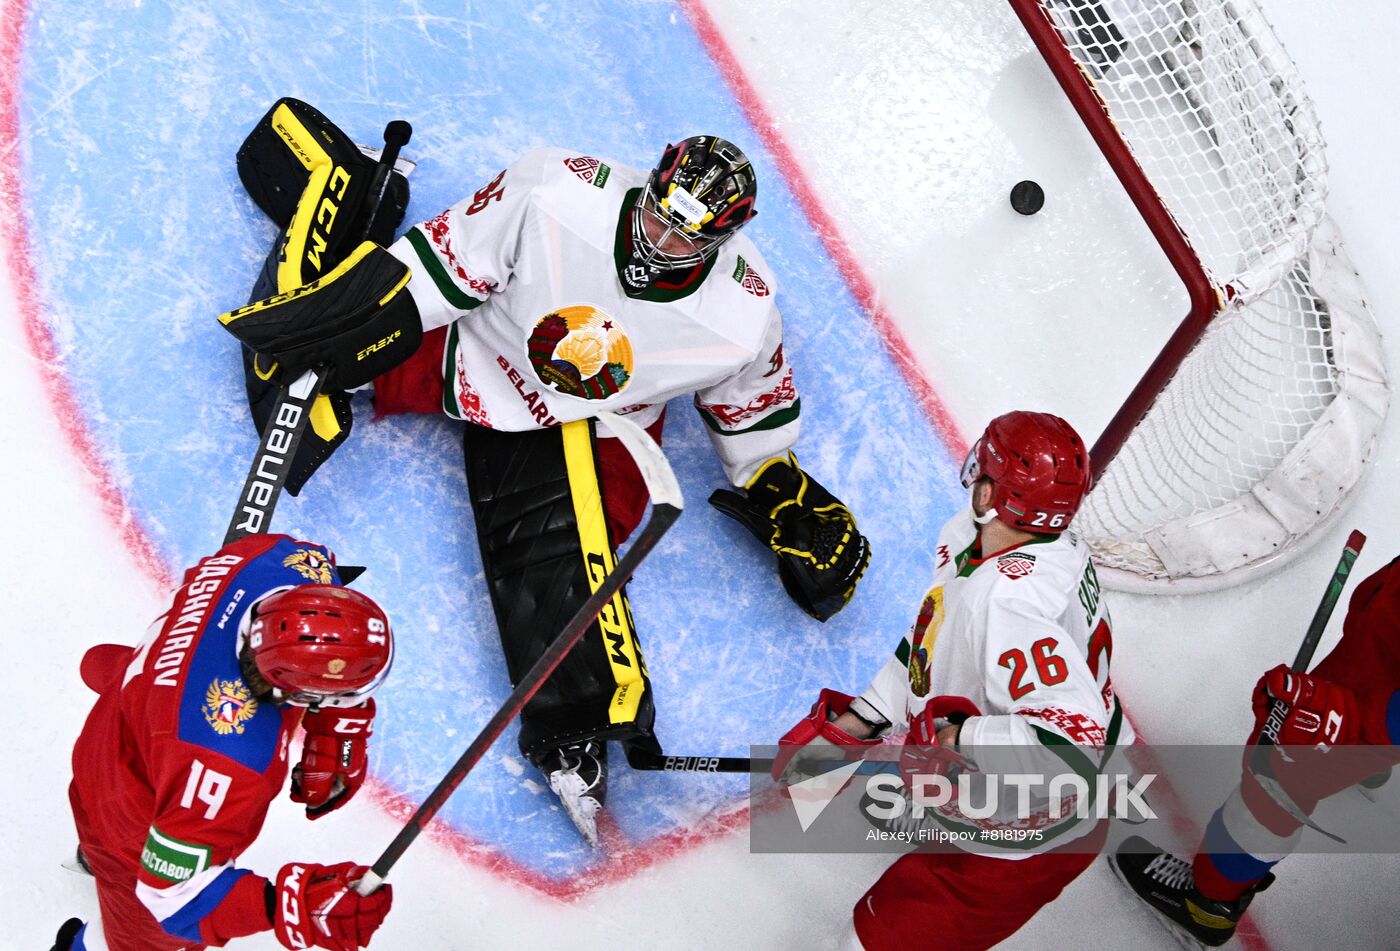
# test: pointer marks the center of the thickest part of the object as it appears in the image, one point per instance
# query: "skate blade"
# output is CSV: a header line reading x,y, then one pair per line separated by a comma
x,y
71,864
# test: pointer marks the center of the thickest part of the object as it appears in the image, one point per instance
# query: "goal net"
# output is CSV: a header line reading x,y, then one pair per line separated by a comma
x,y
1258,416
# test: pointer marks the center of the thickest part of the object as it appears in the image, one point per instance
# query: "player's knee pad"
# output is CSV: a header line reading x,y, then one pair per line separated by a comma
x,y
545,549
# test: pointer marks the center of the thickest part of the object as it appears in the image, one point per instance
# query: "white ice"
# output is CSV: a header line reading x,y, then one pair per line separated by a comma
x,y
910,121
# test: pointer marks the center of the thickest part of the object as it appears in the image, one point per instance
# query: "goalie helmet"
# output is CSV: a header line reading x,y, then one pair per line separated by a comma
x,y
320,644
1038,468
696,198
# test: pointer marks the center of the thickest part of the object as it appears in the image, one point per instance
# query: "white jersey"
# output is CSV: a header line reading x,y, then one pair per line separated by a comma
x,y
1025,635
526,272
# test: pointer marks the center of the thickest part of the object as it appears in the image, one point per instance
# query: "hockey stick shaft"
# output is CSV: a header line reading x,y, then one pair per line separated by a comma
x,y
1355,542
664,763
666,504
1278,710
272,463
661,762
1261,760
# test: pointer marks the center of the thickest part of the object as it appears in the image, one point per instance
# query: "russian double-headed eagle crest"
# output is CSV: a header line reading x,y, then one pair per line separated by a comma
x,y
228,705
311,565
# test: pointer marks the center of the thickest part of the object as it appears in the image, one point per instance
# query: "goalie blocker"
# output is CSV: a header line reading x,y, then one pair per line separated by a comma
x,y
316,185
357,321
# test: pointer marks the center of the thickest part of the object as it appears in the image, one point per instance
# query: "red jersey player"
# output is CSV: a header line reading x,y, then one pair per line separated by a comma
x,y
1351,699
187,746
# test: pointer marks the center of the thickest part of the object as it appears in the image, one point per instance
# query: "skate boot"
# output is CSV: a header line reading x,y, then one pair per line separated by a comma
x,y
578,774
66,933
1167,884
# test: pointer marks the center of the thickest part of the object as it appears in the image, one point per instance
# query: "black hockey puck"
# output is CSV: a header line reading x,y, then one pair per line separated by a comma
x,y
1027,197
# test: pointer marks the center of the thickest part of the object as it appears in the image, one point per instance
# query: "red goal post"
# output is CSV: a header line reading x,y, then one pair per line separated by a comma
x,y
1256,419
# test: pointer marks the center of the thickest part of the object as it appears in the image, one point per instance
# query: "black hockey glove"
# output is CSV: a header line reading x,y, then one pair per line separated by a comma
x,y
821,553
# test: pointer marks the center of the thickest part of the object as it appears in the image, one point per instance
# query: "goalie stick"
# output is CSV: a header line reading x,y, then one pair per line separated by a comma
x,y
666,504
663,762
1260,761
272,463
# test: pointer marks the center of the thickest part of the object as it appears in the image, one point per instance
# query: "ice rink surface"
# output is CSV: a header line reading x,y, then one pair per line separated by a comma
x,y
886,136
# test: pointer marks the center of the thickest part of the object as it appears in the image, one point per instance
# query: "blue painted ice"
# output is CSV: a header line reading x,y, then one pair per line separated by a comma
x,y
142,234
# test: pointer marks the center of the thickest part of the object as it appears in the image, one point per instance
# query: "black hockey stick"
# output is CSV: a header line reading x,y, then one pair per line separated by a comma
x,y
661,762
1261,762
287,423
1278,710
666,504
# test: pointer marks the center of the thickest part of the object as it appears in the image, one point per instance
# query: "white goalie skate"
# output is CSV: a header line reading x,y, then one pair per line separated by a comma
x,y
578,774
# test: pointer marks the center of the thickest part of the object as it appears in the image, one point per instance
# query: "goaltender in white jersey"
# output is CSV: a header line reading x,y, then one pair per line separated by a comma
x,y
1006,667
565,286
546,332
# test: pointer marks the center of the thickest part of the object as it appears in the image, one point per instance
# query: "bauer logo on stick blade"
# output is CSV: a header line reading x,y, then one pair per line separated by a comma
x,y
1027,197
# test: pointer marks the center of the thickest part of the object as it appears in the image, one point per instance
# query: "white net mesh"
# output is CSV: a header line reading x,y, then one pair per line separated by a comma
x,y
1214,112
1258,436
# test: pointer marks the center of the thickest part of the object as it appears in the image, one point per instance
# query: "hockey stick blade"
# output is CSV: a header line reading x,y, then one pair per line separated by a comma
x,y
272,463
666,505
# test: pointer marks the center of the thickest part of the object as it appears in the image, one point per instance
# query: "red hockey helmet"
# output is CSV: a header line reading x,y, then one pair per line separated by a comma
x,y
1038,468
321,645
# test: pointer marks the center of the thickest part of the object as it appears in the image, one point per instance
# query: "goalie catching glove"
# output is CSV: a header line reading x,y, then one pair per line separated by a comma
x,y
821,553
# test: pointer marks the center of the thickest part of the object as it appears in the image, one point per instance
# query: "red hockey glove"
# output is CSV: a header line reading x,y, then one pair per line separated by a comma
x,y
317,907
814,730
923,754
334,757
1320,713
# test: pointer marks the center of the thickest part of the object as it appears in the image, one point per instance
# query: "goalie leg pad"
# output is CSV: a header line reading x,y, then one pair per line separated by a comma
x,y
359,320
314,183
544,547
297,159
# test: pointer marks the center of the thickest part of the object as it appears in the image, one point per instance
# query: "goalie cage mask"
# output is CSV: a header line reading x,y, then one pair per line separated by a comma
x,y
698,196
